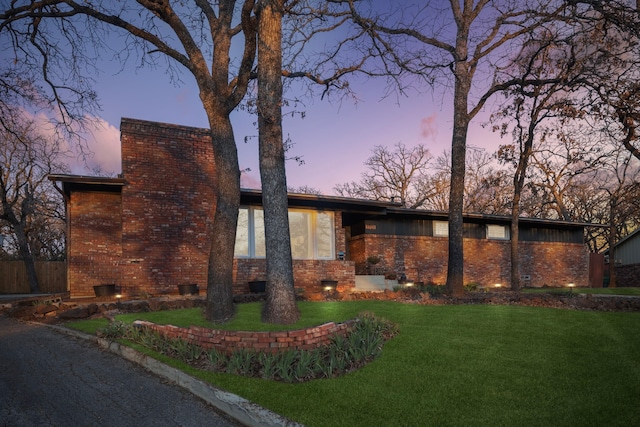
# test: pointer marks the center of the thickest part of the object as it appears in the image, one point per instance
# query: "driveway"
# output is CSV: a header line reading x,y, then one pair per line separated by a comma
x,y
49,379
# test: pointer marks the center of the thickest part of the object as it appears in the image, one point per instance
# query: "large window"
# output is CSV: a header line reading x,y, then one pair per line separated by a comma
x,y
312,234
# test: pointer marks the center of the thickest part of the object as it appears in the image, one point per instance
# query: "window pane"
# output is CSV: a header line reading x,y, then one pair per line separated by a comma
x,y
324,235
258,226
440,228
242,234
300,230
497,232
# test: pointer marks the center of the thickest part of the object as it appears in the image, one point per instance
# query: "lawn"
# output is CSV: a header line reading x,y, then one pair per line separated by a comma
x,y
461,365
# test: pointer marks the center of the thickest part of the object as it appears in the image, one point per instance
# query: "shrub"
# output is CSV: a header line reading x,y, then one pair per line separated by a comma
x,y
471,287
342,355
433,289
113,330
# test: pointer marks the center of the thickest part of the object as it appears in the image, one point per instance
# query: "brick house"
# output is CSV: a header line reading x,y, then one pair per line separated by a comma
x,y
146,231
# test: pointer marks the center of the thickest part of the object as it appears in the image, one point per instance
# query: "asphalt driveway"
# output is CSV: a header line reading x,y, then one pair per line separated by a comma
x,y
49,379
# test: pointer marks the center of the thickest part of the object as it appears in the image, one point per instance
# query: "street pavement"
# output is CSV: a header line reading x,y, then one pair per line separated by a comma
x,y
50,379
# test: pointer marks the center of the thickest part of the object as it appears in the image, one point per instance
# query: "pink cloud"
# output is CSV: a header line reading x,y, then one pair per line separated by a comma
x,y
101,152
429,126
248,180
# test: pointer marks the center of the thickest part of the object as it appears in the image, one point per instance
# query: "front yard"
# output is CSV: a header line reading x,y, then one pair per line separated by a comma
x,y
459,365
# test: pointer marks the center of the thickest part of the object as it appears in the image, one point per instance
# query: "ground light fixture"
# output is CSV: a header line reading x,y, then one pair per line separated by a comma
x,y
497,285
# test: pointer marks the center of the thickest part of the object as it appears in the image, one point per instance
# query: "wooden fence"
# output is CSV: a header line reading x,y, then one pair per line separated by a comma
x,y
52,276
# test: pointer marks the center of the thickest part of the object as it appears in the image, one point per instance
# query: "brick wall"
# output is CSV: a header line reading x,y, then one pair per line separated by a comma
x,y
307,274
95,241
168,203
486,262
271,342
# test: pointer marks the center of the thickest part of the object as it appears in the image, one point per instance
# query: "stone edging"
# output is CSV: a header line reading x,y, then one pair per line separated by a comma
x,y
271,342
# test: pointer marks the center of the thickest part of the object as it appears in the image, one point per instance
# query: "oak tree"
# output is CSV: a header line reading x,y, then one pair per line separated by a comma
x,y
459,44
196,37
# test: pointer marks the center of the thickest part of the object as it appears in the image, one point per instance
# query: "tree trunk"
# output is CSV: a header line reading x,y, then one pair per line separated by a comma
x,y
280,306
612,242
518,184
515,237
18,227
27,258
226,187
455,268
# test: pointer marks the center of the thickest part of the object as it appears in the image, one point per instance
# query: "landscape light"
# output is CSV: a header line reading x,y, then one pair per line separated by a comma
x,y
497,285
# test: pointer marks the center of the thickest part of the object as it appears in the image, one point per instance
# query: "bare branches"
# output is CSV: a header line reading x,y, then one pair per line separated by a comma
x,y
394,175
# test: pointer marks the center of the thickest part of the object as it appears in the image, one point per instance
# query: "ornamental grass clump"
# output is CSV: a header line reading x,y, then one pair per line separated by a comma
x,y
342,355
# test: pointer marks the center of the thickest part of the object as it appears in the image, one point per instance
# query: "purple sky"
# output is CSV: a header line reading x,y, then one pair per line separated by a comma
x,y
334,139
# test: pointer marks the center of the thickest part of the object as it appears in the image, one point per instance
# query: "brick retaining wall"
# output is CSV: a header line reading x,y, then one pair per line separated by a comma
x,y
271,342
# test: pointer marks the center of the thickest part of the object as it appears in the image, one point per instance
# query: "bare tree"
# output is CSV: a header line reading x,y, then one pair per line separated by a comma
x,y
29,207
399,175
194,36
620,181
305,189
547,66
557,164
461,43
612,66
485,186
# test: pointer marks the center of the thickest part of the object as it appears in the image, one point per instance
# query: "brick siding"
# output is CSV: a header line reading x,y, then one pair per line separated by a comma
x,y
167,205
307,274
486,262
94,241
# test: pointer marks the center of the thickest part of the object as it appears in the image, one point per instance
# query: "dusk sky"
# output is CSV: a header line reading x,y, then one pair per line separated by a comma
x,y
334,139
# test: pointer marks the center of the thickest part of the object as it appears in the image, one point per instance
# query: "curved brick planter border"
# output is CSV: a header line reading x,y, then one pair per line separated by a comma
x,y
272,342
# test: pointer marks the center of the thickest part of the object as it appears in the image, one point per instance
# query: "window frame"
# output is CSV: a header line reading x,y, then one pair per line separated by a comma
x,y
313,237
492,236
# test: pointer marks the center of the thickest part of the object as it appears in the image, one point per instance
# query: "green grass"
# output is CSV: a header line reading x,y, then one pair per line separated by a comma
x,y
461,365
593,291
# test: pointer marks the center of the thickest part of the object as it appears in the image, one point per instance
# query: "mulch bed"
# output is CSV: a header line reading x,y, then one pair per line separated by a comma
x,y
57,311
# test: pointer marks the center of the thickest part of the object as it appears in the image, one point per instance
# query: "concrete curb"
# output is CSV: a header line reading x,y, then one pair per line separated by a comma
x,y
238,408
